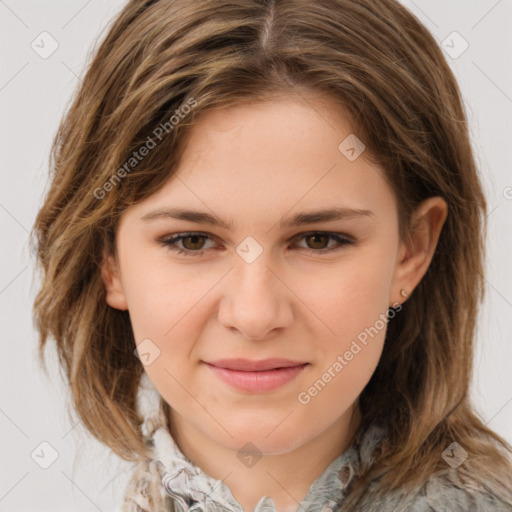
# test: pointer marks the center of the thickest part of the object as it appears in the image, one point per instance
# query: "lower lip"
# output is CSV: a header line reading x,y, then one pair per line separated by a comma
x,y
257,382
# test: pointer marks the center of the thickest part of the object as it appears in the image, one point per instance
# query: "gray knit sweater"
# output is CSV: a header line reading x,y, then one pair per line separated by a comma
x,y
169,482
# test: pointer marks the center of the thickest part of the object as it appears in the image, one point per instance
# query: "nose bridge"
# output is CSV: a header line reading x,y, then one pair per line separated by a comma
x,y
253,263
255,301
255,286
256,279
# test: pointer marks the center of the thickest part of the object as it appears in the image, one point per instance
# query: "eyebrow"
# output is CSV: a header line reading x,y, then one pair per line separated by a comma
x,y
300,219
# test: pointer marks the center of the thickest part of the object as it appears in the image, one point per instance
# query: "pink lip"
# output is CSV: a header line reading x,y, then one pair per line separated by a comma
x,y
251,365
256,376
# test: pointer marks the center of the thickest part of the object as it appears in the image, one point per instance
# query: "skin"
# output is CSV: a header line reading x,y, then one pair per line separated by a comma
x,y
253,165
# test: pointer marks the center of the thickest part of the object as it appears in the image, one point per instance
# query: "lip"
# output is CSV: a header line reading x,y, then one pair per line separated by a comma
x,y
248,365
256,376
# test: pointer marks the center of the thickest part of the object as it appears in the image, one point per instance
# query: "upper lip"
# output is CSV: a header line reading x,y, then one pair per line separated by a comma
x,y
251,365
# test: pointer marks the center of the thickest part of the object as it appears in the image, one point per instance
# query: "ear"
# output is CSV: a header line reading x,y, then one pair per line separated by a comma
x,y
416,254
111,277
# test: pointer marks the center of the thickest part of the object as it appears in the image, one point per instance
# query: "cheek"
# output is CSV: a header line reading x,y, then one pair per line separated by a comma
x,y
161,298
348,298
354,306
333,389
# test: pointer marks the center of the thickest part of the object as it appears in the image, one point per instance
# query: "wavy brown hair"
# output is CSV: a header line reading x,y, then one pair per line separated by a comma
x,y
383,67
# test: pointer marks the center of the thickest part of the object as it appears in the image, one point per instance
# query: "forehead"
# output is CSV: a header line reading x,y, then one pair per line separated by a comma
x,y
269,158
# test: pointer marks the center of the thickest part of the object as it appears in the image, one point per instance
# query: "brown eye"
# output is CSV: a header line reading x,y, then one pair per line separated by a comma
x,y
193,242
317,241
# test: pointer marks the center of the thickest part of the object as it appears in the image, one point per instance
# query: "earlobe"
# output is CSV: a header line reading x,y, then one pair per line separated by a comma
x,y
110,275
415,256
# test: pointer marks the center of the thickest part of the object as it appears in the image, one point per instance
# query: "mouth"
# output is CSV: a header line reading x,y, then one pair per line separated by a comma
x,y
256,376
249,365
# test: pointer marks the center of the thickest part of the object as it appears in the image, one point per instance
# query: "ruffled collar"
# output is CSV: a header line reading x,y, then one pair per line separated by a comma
x,y
189,489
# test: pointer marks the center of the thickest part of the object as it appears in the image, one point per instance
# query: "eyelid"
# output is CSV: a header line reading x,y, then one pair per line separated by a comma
x,y
341,236
170,241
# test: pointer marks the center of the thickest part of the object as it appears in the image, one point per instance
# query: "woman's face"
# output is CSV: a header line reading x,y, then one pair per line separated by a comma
x,y
254,284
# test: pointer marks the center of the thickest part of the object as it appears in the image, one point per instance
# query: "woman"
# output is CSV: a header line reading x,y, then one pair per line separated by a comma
x,y
205,334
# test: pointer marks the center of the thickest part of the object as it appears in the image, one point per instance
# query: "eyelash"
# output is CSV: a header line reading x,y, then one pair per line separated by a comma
x,y
170,242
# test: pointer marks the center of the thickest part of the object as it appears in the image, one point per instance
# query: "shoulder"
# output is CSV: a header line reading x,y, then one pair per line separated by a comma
x,y
446,491
443,492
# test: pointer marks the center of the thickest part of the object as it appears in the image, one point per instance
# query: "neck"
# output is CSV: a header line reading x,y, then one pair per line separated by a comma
x,y
284,477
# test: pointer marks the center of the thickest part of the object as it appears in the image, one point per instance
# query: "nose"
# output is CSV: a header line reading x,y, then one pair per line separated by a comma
x,y
256,302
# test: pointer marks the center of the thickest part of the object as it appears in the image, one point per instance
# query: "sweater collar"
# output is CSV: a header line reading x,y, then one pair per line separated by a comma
x,y
192,490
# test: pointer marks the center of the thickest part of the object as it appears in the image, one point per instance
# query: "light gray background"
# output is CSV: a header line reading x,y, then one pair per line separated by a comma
x,y
33,94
